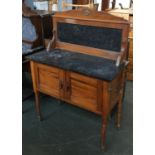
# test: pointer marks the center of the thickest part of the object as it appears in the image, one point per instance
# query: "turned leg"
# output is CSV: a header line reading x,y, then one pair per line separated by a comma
x,y
103,132
35,83
105,112
119,111
38,105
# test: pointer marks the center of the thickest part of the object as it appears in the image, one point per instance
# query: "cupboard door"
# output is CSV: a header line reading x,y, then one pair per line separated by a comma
x,y
83,91
50,80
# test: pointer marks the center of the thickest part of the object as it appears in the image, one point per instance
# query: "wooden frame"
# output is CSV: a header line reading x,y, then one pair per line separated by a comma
x,y
94,19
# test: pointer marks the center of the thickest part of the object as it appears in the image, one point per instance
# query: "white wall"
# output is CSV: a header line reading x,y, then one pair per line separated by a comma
x,y
41,5
60,4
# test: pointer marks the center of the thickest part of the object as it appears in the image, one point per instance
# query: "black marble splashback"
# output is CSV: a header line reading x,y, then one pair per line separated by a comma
x,y
93,66
97,37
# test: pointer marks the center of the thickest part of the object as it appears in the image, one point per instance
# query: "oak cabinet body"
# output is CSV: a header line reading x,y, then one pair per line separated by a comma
x,y
77,89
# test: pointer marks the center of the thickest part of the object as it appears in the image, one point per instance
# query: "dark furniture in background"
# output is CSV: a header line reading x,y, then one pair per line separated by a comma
x,y
32,29
87,67
32,41
105,4
32,36
80,1
45,18
31,24
47,24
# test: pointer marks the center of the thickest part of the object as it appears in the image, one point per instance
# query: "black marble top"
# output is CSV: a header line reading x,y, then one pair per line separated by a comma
x,y
93,66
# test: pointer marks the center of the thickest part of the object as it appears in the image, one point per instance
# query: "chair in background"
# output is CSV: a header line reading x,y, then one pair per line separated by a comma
x,y
51,3
90,5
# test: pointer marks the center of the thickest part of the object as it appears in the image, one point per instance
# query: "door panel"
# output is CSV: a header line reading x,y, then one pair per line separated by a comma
x,y
50,80
83,91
